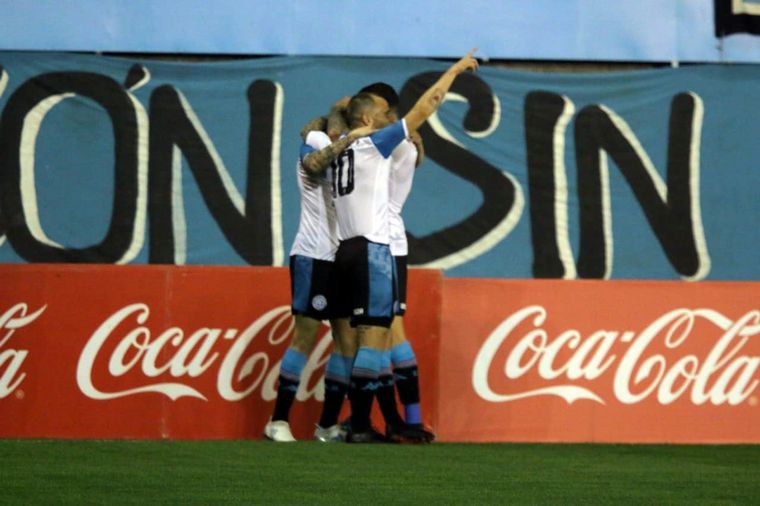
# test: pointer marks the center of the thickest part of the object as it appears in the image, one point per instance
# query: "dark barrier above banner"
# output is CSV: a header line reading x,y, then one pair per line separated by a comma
x,y
580,30
649,174
737,16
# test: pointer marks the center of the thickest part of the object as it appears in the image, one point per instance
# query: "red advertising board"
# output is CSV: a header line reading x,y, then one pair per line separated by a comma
x,y
164,351
193,352
602,361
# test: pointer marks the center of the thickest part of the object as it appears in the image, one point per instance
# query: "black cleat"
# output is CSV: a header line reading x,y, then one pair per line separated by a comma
x,y
368,436
409,433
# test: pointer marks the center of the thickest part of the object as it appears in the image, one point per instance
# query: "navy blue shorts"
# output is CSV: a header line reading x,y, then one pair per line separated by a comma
x,y
311,283
365,275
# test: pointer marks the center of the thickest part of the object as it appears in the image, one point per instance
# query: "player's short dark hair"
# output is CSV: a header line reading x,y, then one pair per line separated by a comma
x,y
360,104
383,90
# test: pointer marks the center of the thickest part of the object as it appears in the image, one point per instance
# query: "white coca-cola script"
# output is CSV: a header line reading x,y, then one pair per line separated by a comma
x,y
12,359
191,354
725,375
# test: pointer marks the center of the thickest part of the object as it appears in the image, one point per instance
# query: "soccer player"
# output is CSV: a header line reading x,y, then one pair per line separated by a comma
x,y
363,261
401,358
311,260
406,157
399,364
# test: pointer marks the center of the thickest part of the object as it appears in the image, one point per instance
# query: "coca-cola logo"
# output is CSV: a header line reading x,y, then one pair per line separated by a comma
x,y
124,347
724,375
12,358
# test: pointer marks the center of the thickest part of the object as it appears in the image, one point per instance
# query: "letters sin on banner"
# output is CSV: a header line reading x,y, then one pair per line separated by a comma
x,y
165,352
648,174
600,361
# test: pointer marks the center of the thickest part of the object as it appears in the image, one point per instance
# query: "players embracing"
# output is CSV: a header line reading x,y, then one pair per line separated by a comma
x,y
368,173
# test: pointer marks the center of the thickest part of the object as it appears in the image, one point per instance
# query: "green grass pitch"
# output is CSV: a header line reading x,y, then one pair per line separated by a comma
x,y
260,472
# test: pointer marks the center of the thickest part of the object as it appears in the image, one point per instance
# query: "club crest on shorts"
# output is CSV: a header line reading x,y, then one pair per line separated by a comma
x,y
319,302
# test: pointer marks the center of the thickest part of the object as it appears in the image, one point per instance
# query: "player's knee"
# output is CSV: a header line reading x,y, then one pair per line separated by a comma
x,y
346,347
377,338
302,344
344,337
305,333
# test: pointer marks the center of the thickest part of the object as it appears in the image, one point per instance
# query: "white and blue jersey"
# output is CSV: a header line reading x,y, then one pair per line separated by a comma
x,y
404,159
360,184
313,251
317,229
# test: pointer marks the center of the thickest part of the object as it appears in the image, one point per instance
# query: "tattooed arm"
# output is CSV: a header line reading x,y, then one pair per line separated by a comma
x,y
317,161
316,125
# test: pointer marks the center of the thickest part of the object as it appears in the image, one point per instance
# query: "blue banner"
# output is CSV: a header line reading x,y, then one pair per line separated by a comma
x,y
635,175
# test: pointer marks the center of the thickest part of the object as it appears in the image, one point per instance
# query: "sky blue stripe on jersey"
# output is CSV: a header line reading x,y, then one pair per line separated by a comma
x,y
388,138
305,150
380,280
302,267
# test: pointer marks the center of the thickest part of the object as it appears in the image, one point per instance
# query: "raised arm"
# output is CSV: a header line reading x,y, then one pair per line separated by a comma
x,y
317,161
416,139
433,97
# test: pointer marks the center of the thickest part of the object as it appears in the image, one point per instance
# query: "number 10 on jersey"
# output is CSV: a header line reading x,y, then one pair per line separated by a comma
x,y
343,174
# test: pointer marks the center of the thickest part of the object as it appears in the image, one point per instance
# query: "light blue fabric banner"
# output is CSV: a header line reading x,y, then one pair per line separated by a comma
x,y
649,175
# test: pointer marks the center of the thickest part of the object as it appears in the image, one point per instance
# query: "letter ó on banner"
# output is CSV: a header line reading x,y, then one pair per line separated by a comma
x,y
90,353
20,125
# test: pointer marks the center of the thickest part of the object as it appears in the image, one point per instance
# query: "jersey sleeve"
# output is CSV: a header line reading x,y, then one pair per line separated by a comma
x,y
314,142
404,154
388,138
